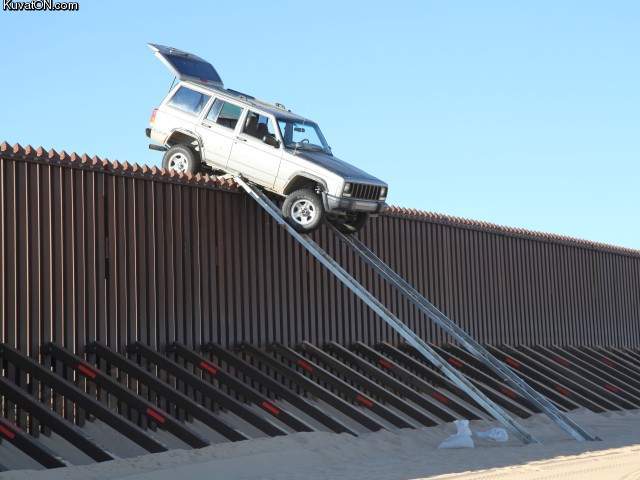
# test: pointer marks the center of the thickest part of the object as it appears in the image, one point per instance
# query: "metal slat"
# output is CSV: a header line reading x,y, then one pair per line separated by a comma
x,y
248,392
277,388
374,388
351,393
586,376
424,371
542,373
484,383
631,353
30,446
614,373
535,377
616,358
126,396
133,370
561,402
566,377
206,389
56,423
416,382
390,382
312,387
89,404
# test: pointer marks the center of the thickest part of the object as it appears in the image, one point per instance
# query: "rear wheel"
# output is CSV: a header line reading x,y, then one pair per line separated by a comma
x,y
181,159
303,209
351,223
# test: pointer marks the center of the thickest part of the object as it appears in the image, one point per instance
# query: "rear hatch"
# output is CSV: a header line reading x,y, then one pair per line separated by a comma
x,y
187,66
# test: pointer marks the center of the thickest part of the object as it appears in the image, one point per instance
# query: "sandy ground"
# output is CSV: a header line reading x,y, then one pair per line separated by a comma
x,y
617,463
398,455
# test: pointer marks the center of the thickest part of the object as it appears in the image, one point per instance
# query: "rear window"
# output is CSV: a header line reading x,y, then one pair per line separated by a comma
x,y
193,68
189,100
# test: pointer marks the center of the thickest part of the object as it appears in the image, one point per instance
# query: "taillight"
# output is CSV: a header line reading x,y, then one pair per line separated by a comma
x,y
153,116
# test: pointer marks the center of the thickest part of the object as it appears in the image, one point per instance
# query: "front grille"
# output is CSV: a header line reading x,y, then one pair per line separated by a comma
x,y
365,192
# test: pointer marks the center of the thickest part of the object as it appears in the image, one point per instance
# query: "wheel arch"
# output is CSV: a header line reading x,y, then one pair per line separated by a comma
x,y
181,136
302,179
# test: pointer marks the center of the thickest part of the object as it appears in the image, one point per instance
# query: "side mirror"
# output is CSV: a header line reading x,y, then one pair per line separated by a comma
x,y
269,140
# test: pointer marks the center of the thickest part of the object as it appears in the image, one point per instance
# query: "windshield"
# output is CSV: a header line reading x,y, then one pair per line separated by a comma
x,y
302,135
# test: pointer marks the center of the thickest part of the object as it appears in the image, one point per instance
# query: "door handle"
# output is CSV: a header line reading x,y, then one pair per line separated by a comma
x,y
206,125
241,139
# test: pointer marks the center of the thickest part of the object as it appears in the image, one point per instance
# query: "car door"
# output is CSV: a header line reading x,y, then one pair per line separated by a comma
x,y
251,155
218,131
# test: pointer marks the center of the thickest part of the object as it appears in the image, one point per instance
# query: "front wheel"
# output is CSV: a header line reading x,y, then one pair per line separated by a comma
x,y
350,224
303,210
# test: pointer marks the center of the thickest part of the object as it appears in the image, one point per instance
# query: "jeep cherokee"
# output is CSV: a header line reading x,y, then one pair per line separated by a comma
x,y
203,126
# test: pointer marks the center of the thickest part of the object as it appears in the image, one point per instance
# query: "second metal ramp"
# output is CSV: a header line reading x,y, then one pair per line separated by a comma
x,y
403,330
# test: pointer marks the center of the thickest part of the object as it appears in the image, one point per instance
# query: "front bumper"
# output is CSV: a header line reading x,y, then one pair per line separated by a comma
x,y
343,205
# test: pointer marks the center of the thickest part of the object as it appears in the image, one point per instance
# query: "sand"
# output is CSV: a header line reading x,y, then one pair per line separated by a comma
x,y
389,455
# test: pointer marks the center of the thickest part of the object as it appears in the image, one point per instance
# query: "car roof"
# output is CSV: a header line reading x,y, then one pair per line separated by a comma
x,y
250,101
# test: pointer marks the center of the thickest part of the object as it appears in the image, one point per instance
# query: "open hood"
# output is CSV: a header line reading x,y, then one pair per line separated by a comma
x,y
187,66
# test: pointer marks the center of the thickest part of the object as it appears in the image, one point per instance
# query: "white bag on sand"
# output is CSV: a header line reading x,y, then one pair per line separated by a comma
x,y
495,434
460,439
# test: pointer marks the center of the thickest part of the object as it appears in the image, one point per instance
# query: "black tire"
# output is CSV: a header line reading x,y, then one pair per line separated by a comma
x,y
350,224
303,210
182,159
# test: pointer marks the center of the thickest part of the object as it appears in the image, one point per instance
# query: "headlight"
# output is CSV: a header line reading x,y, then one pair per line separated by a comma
x,y
346,190
383,193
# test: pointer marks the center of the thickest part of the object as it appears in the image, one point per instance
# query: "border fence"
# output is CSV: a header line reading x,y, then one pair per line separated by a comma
x,y
94,250
138,300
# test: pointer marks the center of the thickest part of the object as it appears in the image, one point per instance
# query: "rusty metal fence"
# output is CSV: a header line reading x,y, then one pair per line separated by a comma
x,y
97,250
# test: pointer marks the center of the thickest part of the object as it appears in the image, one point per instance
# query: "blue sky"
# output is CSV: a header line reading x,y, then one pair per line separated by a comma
x,y
519,113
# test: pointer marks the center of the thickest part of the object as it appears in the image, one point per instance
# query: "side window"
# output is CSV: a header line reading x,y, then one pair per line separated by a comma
x,y
189,100
225,114
258,126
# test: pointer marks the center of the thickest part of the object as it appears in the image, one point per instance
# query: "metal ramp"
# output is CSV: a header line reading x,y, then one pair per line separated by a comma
x,y
473,347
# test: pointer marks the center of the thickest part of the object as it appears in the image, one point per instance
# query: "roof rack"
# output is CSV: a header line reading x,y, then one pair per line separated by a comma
x,y
246,96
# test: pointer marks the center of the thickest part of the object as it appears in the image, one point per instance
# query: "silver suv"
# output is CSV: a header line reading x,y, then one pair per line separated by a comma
x,y
203,126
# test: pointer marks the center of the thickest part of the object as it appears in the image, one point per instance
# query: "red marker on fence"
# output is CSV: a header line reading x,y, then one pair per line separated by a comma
x,y
512,362
455,362
7,432
608,362
440,397
364,401
305,365
157,416
508,392
270,407
612,388
209,367
86,370
384,363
